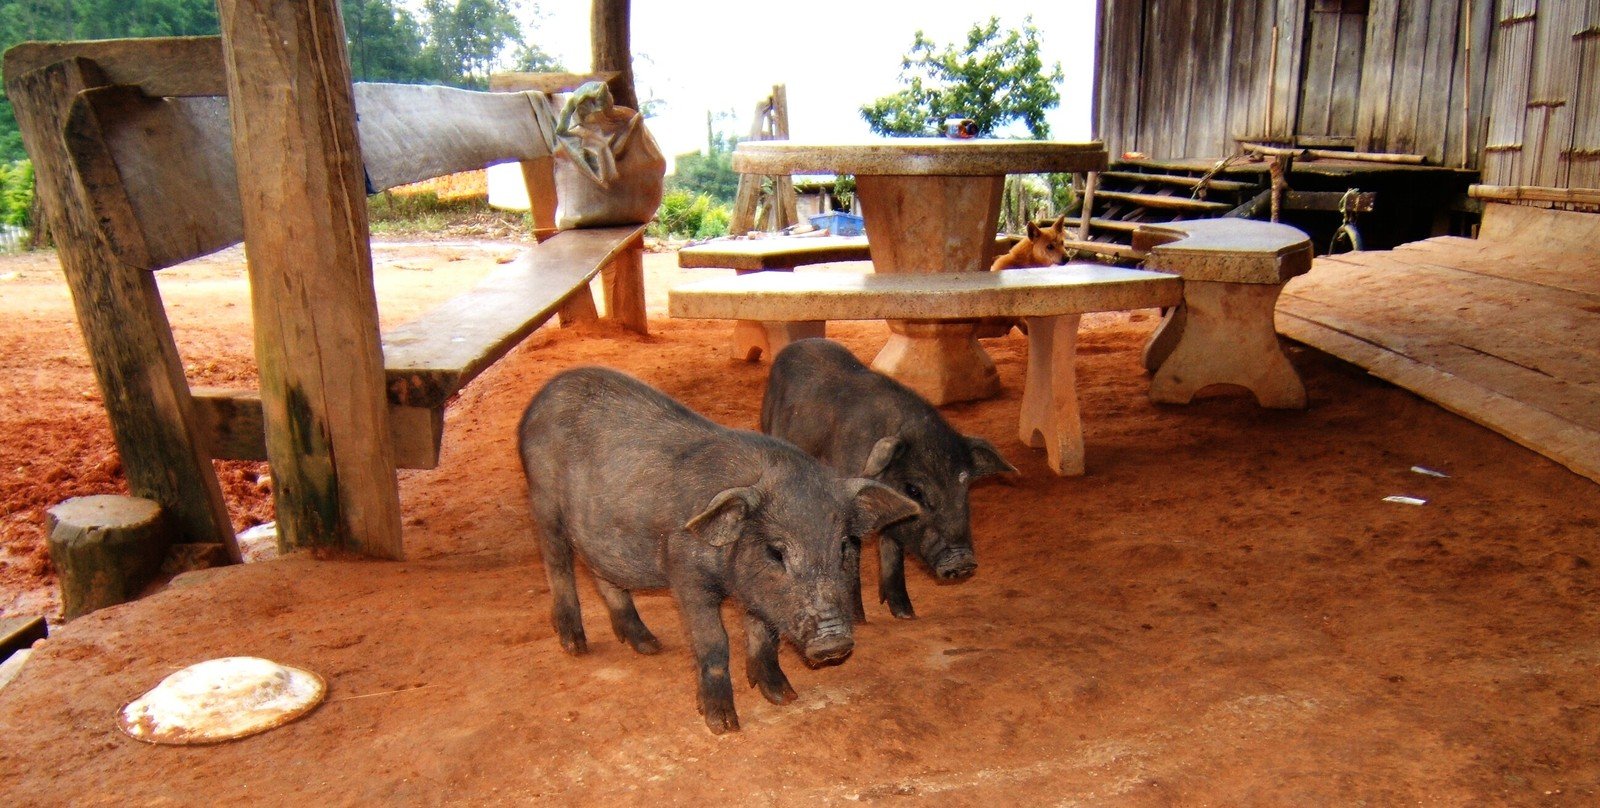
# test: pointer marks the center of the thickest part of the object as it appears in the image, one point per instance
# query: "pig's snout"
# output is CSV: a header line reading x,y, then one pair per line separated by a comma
x,y
955,564
832,641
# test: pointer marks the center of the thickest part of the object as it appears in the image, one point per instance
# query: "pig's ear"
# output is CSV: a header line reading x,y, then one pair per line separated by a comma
x,y
986,459
720,523
883,453
877,505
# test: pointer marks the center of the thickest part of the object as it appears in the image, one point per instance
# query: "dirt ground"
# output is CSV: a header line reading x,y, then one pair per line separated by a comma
x,y
1223,611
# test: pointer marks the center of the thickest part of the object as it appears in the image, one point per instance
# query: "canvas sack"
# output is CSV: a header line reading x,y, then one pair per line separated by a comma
x,y
608,168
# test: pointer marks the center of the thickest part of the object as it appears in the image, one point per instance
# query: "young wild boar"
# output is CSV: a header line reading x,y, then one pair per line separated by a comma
x,y
857,421
652,495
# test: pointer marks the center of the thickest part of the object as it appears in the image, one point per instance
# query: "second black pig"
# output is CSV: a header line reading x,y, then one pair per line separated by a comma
x,y
652,495
858,421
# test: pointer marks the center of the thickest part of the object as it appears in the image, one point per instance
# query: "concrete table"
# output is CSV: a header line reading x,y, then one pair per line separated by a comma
x,y
930,205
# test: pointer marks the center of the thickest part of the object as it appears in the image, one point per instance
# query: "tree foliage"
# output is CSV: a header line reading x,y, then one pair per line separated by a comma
x,y
995,78
710,174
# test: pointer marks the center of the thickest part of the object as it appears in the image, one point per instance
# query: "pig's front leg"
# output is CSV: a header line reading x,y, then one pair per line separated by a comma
x,y
852,569
761,660
892,578
702,616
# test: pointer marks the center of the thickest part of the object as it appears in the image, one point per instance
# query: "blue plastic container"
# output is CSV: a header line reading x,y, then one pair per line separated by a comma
x,y
838,223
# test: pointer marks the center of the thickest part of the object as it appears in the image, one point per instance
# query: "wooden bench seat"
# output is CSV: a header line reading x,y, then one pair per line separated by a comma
x,y
1051,298
133,144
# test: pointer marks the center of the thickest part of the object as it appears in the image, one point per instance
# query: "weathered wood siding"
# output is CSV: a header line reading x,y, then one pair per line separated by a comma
x,y
1190,78
1544,116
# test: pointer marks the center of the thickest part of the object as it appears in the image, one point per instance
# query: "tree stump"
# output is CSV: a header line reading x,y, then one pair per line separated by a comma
x,y
105,550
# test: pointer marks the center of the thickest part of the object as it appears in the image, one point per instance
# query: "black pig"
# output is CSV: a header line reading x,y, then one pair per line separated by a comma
x,y
858,421
652,496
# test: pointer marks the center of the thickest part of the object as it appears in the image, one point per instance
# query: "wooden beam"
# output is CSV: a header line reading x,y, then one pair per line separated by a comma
x,y
171,66
547,83
609,45
231,425
1531,193
124,325
310,264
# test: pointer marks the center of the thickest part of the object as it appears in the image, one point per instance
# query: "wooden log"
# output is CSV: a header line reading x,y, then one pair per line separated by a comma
x,y
1165,202
316,318
1368,157
1090,182
1532,193
1103,248
105,549
135,361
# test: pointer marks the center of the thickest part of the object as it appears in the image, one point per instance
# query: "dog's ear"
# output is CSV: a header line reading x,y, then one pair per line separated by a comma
x,y
1060,222
1034,231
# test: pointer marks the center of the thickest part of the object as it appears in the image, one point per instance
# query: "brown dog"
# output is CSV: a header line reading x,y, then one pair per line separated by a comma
x,y
1042,248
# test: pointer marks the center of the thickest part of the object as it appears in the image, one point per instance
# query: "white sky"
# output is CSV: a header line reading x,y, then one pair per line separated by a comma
x,y
724,56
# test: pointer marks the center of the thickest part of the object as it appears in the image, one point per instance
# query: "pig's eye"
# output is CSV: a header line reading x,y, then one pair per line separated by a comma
x,y
775,554
914,492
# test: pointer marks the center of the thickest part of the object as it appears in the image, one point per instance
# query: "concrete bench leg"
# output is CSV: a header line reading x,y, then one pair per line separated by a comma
x,y
753,338
940,359
1050,395
1227,337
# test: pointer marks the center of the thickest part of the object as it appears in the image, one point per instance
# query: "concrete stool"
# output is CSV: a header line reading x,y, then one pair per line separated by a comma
x,y
1223,333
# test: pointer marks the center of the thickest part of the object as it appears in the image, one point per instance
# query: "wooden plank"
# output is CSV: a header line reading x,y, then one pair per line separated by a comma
x,y
411,132
1178,179
1569,271
751,255
1548,434
1377,75
1440,51
1345,86
1031,292
17,633
173,66
1182,203
231,424
1535,228
1115,225
1533,193
433,356
310,263
547,83
159,173
130,345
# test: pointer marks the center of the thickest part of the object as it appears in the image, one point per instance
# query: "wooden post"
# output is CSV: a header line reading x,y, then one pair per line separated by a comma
x,y
124,325
610,48
316,317
105,549
1090,183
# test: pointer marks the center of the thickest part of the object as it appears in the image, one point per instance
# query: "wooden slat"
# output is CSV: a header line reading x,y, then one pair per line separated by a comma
x,y
167,66
433,356
1177,179
547,83
1115,225
1164,202
230,422
310,263
1032,292
411,133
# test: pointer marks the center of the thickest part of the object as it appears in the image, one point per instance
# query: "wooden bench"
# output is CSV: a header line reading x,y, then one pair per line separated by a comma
x,y
133,147
753,338
1051,298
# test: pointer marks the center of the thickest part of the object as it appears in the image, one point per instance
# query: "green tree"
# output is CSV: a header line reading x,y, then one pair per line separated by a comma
x,y
385,42
710,174
467,38
994,78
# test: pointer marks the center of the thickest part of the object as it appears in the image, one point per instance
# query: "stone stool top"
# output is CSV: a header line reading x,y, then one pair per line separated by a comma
x,y
1226,250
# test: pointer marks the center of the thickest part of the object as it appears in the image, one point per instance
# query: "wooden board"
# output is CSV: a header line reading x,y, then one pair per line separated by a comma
x,y
1494,334
165,66
433,356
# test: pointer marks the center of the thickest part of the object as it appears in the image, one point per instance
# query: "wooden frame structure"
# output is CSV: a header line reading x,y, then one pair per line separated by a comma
x,y
327,406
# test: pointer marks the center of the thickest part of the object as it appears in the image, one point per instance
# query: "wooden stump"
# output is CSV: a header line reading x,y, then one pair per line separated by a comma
x,y
105,550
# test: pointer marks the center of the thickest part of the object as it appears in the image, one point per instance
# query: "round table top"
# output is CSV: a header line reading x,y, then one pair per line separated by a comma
x,y
919,156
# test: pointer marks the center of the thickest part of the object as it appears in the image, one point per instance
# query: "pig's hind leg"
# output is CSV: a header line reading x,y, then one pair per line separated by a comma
x,y
892,578
761,661
556,547
625,618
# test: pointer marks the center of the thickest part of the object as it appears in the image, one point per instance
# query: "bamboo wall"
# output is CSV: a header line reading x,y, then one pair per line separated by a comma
x,y
1189,78
1544,111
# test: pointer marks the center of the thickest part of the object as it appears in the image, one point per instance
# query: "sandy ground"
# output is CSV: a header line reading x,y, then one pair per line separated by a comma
x,y
1223,611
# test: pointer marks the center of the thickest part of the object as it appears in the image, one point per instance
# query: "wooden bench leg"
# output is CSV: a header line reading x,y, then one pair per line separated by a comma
x,y
1228,337
1050,395
623,279
578,309
1163,339
753,339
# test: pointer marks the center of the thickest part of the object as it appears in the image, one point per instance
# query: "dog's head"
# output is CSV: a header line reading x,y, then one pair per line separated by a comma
x,y
1045,247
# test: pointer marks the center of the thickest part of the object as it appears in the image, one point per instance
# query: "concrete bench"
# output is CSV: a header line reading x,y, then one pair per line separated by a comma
x,y
1223,333
1052,299
754,338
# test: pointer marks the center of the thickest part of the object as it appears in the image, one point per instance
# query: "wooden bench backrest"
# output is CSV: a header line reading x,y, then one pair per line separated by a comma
x,y
158,171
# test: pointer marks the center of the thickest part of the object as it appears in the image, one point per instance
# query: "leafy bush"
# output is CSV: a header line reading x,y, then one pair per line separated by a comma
x,y
686,215
16,193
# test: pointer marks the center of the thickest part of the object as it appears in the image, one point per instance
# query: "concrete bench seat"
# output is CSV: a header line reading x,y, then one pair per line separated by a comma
x,y
1052,299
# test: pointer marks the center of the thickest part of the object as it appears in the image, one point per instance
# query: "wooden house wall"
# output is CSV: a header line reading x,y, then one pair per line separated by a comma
x,y
1544,115
1189,78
